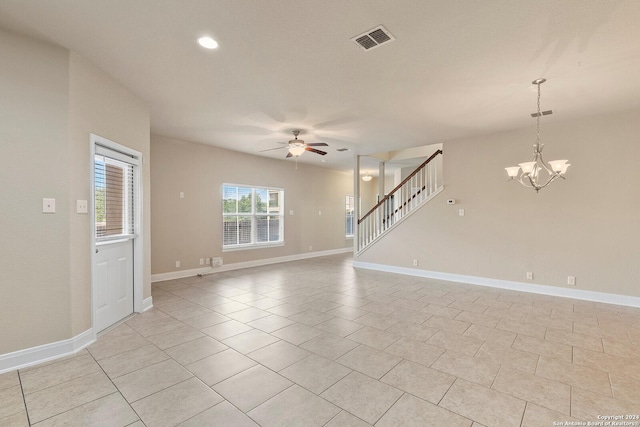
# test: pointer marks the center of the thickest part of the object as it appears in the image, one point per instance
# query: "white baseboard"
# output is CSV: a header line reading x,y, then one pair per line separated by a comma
x,y
582,294
247,264
147,304
44,353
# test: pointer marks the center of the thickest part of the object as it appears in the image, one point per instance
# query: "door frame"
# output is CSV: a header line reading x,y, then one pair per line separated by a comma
x,y
138,242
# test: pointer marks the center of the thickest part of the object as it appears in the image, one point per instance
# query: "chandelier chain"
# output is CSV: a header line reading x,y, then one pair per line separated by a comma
x,y
538,118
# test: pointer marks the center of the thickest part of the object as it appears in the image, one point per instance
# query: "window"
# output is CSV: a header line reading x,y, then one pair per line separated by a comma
x,y
114,197
252,216
350,213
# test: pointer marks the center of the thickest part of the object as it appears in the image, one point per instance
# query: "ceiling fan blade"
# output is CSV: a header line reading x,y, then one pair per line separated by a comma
x,y
271,149
318,144
313,150
288,155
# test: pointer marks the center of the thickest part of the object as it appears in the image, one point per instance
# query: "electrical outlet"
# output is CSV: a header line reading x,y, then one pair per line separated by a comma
x,y
415,262
177,264
310,248
216,262
571,280
201,261
529,275
208,261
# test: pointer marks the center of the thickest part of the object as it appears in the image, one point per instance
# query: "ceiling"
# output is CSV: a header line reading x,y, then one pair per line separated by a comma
x,y
457,68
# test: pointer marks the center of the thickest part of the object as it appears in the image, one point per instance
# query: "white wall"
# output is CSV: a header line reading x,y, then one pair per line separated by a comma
x,y
587,226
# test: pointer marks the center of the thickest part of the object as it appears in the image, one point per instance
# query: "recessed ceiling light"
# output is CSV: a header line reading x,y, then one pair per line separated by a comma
x,y
207,42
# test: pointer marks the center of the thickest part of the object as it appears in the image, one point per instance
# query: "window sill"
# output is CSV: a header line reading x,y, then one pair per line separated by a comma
x,y
254,246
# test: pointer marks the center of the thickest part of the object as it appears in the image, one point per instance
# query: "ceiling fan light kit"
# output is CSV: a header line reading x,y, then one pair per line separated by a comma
x,y
537,174
297,147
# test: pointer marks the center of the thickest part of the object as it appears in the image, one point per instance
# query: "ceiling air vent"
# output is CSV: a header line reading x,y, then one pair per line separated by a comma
x,y
373,38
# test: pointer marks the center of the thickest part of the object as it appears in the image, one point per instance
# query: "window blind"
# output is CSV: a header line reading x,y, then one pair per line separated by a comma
x,y
252,216
114,198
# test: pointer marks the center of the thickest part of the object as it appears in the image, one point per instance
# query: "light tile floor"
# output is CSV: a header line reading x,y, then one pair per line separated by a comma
x,y
318,343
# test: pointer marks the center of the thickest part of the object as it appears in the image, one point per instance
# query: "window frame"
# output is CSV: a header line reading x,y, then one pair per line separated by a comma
x,y
254,244
348,213
127,193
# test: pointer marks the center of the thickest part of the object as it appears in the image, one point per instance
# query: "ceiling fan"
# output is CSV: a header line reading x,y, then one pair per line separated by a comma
x,y
297,146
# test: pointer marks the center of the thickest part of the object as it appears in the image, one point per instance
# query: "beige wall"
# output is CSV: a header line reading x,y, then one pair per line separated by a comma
x,y
50,99
188,229
34,249
368,194
587,226
99,105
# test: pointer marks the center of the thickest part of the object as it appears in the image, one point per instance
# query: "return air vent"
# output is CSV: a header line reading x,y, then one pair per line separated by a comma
x,y
373,38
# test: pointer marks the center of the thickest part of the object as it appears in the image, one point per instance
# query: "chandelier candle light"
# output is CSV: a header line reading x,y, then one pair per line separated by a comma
x,y
537,174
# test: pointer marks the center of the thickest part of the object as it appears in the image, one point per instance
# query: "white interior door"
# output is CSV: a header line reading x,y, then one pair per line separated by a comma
x,y
115,193
114,282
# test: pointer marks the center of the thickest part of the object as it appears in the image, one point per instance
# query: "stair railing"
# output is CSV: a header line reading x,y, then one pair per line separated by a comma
x,y
414,190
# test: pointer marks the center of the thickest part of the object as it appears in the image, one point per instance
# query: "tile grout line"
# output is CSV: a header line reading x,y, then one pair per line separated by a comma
x,y
392,405
75,407
116,387
169,358
24,400
570,401
60,383
611,385
210,407
526,406
445,393
334,417
496,377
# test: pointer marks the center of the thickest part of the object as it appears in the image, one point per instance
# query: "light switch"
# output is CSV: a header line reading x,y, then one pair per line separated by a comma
x,y
82,207
290,211
182,194
48,205
461,212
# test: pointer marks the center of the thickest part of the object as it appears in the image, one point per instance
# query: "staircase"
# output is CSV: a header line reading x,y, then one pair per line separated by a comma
x,y
414,191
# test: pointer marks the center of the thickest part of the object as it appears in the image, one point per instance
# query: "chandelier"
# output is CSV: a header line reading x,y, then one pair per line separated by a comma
x,y
537,174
